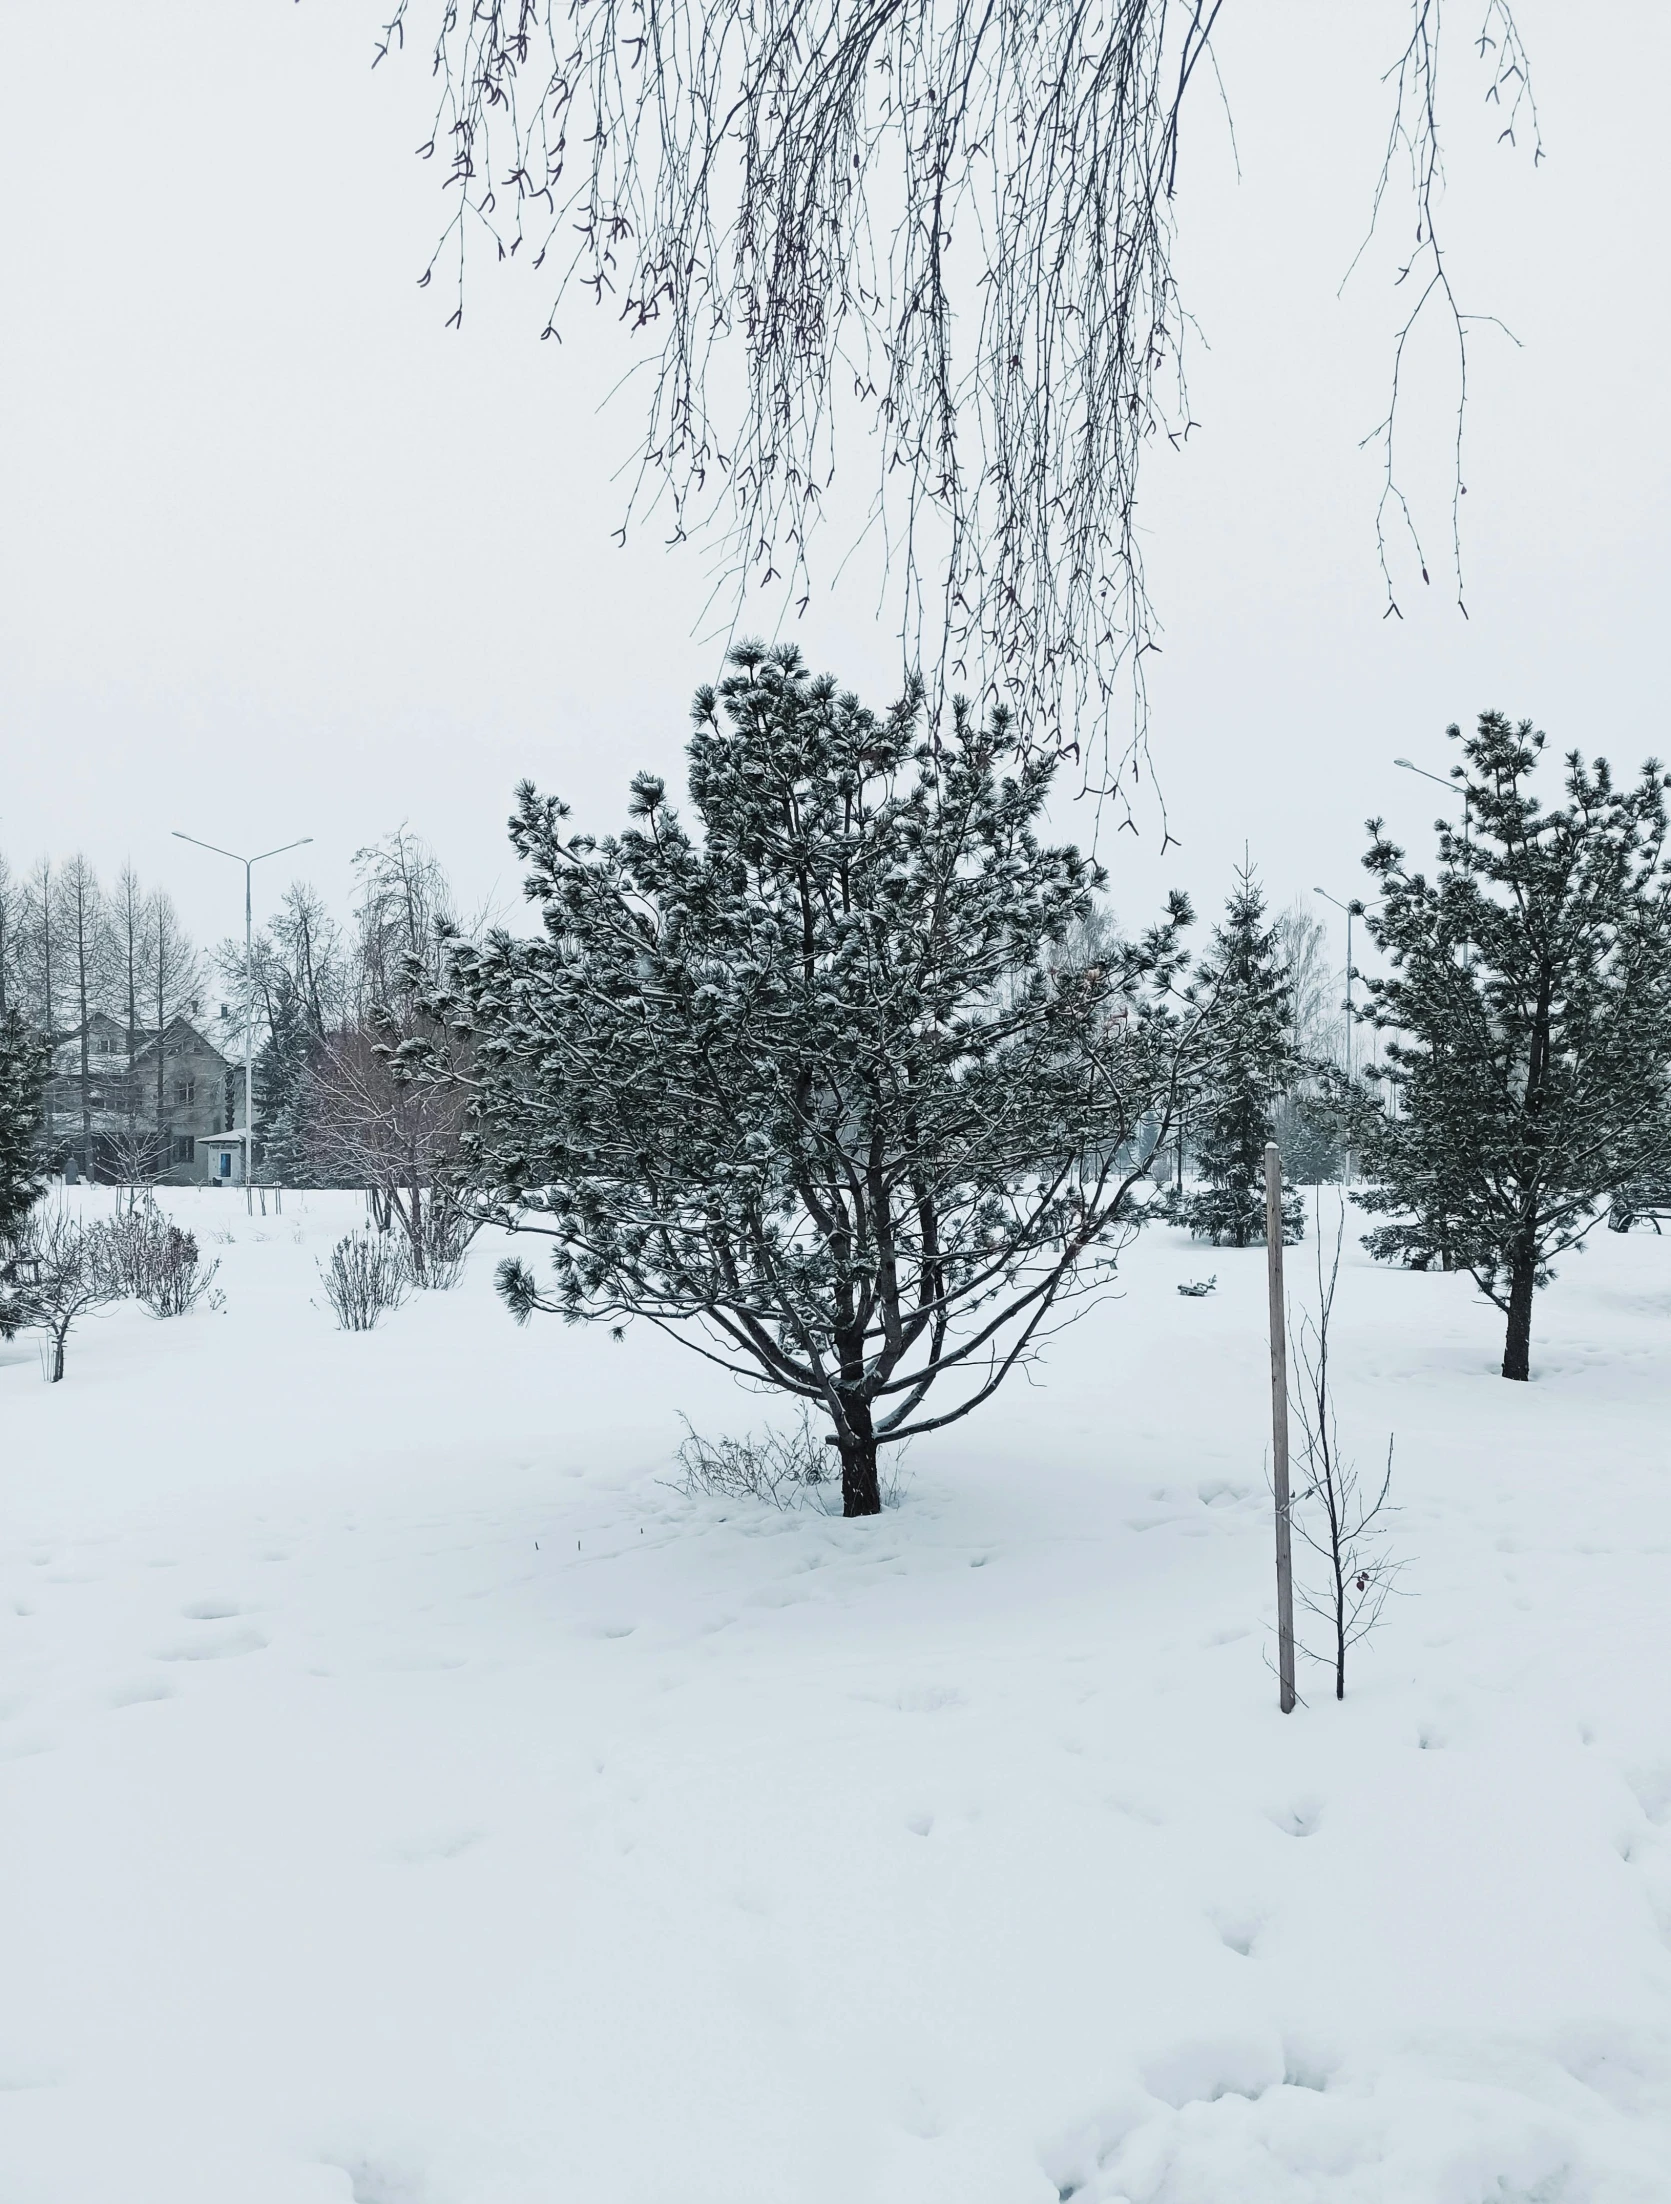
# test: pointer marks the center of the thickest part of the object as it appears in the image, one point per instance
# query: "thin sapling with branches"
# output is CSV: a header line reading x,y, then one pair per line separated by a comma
x,y
1342,1519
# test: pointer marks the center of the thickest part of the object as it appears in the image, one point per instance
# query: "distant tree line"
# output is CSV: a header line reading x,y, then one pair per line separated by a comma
x,y
330,1001
72,950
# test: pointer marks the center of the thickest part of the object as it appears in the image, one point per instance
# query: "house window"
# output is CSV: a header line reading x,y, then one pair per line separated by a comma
x,y
182,1147
185,1090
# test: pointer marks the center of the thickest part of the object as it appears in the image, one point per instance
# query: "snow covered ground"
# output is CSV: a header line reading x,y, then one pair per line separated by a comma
x,y
408,1796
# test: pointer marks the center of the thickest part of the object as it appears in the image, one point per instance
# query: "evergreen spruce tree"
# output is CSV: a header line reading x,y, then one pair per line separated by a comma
x,y
24,1061
281,1072
1245,991
815,1091
1528,1014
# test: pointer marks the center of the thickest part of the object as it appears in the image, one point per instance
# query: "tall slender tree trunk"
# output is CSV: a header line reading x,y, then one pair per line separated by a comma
x,y
415,1229
46,990
131,922
1517,1348
83,1005
162,985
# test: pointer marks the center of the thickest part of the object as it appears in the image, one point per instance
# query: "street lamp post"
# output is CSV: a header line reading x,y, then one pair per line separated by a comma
x,y
1451,788
249,864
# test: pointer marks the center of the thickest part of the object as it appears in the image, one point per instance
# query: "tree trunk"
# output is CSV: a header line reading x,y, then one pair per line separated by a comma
x,y
420,1269
57,1356
1517,1348
861,1492
164,1144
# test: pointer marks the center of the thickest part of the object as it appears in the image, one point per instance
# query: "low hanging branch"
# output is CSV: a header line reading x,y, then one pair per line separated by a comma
x,y
954,217
1425,277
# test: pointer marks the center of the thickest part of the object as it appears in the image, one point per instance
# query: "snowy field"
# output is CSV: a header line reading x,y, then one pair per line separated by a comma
x,y
407,1796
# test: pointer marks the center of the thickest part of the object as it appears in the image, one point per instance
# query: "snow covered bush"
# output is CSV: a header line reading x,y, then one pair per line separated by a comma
x,y
367,1275
157,1261
814,1088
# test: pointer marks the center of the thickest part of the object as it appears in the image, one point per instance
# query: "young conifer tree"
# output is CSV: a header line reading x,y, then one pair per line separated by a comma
x,y
24,1060
1528,1014
813,1087
1245,990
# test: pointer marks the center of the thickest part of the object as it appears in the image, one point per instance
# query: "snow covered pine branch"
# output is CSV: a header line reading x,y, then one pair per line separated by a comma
x,y
818,1090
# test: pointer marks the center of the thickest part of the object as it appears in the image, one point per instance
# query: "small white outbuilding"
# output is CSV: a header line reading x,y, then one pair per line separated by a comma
x,y
224,1156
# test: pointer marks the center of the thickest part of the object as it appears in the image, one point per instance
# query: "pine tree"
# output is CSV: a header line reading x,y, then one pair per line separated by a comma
x,y
813,1091
1245,990
24,1060
1528,1009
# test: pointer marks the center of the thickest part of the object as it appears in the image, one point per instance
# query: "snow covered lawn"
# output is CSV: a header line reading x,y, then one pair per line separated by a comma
x,y
408,1796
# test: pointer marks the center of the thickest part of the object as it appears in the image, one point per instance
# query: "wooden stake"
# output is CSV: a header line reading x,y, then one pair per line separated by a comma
x,y
1279,1428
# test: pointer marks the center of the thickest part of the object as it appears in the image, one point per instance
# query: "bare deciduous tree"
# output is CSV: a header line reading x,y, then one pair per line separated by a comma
x,y
65,1268
11,948
84,929
173,975
40,962
950,220
397,1138
1344,1522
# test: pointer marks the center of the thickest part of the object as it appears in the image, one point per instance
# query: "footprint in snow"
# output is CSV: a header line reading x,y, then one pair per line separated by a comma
x,y
226,1646
27,1746
423,1851
929,1698
1652,1786
143,1692
1300,1820
210,1610
374,2182
1238,1927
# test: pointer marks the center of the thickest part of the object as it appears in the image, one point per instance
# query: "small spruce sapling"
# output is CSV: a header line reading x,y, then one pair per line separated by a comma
x,y
1245,991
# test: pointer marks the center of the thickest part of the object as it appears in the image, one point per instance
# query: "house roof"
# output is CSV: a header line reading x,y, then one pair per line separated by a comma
x,y
148,1044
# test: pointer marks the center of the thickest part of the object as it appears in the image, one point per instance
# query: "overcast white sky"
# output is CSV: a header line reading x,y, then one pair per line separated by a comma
x,y
281,555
